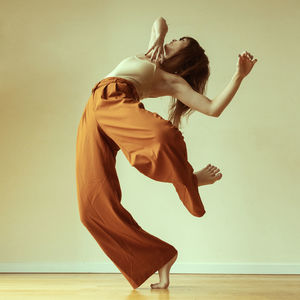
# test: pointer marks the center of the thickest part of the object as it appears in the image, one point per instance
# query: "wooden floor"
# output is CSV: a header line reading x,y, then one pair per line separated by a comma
x,y
90,286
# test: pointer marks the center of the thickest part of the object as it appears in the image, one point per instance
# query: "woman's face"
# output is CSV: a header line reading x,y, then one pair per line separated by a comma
x,y
175,45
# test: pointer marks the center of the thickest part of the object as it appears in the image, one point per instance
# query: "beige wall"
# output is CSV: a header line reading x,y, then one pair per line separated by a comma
x,y
53,52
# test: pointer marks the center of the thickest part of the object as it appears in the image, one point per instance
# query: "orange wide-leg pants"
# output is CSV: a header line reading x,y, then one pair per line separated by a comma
x,y
115,119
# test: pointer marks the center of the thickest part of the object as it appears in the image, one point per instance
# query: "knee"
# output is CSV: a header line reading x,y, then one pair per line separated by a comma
x,y
199,214
84,218
167,135
85,215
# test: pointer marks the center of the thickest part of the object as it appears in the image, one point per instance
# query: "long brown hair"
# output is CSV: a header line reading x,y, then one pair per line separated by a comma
x,y
192,64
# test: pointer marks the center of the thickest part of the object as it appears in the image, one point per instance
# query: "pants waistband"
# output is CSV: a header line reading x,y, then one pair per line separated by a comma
x,y
107,80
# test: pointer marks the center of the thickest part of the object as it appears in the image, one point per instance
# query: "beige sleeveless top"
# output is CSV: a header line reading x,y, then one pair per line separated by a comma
x,y
138,71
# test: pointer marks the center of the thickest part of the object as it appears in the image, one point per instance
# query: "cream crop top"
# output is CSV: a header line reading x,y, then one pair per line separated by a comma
x,y
138,71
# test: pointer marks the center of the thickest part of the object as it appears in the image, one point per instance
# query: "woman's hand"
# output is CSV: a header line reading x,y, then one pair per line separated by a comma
x,y
245,64
157,51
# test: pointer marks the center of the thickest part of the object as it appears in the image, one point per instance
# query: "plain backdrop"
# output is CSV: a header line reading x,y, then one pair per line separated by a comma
x,y
53,53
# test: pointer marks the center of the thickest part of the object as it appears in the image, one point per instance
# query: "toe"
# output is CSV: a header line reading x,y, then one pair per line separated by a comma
x,y
212,170
216,171
219,176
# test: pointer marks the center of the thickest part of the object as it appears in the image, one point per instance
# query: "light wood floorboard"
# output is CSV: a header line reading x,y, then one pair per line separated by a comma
x,y
91,286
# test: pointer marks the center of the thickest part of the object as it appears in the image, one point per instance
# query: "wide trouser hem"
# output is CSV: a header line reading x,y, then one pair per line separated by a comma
x,y
136,283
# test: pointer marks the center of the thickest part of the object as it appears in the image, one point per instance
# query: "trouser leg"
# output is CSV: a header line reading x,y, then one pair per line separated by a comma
x,y
150,143
135,252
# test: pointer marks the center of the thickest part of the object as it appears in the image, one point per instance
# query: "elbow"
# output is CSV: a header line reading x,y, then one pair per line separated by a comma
x,y
214,113
161,20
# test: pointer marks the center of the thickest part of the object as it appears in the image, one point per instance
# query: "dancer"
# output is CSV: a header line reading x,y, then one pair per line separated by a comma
x,y
115,119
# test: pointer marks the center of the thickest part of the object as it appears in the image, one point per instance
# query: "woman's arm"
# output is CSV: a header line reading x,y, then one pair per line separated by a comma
x,y
156,43
182,90
160,28
219,103
244,65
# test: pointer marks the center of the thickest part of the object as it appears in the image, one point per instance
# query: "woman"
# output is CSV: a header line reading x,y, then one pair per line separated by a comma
x,y
115,118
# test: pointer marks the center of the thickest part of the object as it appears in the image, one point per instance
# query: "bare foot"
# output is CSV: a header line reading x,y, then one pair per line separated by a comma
x,y
208,175
164,272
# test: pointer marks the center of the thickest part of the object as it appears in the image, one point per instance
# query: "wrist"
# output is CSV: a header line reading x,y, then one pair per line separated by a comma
x,y
161,28
237,76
